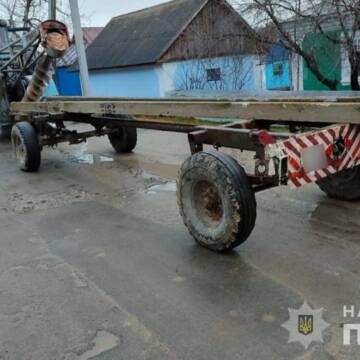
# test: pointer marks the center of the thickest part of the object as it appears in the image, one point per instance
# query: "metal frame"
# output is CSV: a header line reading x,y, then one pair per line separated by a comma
x,y
52,130
106,115
19,64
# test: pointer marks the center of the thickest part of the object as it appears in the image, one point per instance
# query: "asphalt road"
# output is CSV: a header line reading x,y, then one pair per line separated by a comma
x,y
95,263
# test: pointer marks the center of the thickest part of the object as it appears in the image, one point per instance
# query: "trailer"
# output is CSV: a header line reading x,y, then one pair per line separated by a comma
x,y
320,143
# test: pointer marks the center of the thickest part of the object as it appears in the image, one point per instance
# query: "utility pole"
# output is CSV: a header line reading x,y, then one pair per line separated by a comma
x,y
52,9
80,48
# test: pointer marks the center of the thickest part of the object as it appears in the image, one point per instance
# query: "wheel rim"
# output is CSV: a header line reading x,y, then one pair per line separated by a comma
x,y
20,150
208,204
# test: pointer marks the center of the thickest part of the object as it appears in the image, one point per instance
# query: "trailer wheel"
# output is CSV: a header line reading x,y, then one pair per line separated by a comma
x,y
26,146
216,201
124,139
344,185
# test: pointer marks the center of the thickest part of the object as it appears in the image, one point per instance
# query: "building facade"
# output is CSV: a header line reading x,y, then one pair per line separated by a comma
x,y
179,45
327,46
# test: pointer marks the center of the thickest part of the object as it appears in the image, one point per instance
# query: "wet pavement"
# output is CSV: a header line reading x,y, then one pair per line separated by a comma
x,y
95,263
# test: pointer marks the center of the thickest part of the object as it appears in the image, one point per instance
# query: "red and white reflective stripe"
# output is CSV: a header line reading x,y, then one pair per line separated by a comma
x,y
293,147
352,156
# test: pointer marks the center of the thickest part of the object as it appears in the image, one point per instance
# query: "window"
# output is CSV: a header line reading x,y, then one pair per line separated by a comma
x,y
213,74
278,69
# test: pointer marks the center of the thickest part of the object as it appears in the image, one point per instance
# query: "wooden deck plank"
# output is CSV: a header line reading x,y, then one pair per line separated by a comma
x,y
307,112
207,95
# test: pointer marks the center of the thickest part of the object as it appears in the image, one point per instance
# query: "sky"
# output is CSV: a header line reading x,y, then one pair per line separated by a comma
x,y
99,12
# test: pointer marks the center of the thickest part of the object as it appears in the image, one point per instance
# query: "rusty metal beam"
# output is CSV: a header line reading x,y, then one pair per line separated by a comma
x,y
230,137
152,125
73,137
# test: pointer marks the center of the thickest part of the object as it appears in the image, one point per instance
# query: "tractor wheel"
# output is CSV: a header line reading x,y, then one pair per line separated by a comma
x,y
344,185
124,139
26,146
216,201
5,132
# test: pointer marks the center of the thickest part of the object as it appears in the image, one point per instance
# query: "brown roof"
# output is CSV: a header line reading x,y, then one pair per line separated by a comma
x,y
90,34
141,37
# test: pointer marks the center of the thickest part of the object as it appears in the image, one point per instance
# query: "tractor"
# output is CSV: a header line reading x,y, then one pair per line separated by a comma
x,y
27,64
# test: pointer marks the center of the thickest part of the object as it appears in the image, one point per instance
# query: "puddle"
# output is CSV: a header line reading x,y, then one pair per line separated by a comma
x,y
104,341
148,176
92,159
83,157
164,187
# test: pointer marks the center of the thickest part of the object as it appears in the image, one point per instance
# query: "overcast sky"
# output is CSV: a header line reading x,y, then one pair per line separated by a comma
x,y
99,12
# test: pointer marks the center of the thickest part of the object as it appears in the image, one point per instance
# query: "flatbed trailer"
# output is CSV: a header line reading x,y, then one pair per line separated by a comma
x,y
320,143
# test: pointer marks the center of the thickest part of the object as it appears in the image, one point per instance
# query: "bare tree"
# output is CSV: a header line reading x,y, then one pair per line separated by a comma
x,y
291,20
29,13
348,17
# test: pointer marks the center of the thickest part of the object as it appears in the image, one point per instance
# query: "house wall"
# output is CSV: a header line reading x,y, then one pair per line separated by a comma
x,y
345,64
296,66
141,81
298,31
237,73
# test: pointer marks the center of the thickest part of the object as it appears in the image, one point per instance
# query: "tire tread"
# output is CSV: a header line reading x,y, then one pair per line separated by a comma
x,y
29,137
239,191
126,143
339,187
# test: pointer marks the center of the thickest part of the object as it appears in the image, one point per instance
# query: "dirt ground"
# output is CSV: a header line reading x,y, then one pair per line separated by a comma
x,y
95,263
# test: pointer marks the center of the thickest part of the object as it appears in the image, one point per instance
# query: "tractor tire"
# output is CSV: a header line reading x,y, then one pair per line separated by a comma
x,y
124,140
26,146
216,200
344,185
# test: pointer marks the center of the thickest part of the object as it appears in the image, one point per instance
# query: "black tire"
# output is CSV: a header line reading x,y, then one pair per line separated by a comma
x,y
26,146
124,139
5,132
216,201
344,185
17,92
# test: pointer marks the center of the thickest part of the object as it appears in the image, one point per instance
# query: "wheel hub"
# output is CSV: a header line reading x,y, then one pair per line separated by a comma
x,y
208,203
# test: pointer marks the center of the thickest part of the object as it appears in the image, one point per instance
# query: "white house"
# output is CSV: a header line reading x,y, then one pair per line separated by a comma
x,y
179,45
